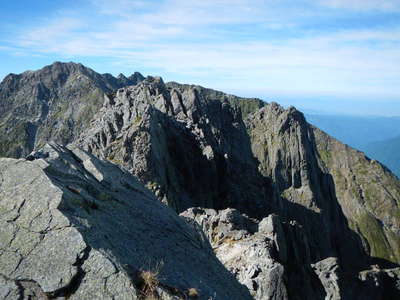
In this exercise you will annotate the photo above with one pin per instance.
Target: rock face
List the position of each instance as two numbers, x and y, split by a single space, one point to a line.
368 193
271 257
248 252
75 227
336 184
54 103
304 191
186 143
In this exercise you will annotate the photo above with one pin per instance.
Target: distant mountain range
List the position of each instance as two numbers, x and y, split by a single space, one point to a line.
387 152
378 137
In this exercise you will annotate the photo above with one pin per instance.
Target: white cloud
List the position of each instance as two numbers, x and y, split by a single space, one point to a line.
183 38
53 30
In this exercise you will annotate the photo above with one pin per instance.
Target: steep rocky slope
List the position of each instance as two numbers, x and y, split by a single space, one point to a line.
54 103
368 193
285 147
328 185
188 145
75 227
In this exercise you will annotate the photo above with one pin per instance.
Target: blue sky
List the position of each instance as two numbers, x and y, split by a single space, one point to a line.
336 55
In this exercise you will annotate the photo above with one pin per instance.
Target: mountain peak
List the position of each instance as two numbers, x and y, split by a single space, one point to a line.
121 76
53 102
136 77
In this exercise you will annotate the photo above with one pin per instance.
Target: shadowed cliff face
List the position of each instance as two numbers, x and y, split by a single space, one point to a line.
285 146
189 148
346 199
54 103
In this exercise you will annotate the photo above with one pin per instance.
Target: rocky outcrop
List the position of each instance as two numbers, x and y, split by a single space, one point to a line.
272 258
75 227
54 103
190 148
381 283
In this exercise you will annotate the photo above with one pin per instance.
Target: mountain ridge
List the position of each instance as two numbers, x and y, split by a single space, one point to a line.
230 165
50 104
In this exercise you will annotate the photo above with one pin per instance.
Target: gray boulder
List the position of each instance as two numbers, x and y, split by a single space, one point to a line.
75 227
328 272
270 257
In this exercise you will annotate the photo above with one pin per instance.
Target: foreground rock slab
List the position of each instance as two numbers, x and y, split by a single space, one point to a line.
75 227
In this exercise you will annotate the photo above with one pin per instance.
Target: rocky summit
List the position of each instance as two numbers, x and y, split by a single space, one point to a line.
175 191
54 103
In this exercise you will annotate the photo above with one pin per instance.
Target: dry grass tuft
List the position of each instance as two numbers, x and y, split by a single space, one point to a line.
150 281
193 293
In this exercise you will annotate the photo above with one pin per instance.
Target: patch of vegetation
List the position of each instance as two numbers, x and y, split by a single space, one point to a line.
230 241
247 106
152 185
60 110
12 142
81 202
375 235
115 160
325 155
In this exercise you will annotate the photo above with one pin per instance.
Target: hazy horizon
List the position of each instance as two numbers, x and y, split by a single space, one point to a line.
325 104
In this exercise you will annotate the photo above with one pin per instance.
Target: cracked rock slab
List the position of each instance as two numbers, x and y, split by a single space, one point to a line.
75 227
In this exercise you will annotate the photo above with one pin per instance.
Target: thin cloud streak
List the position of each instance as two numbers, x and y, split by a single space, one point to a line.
363 5
202 40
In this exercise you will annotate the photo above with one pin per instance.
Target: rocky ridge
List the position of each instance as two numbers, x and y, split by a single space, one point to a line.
183 144
54 103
